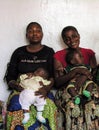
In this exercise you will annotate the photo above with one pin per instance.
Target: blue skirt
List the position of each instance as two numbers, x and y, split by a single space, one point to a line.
14 106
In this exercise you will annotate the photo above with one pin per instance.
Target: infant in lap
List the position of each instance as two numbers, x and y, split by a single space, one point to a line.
31 83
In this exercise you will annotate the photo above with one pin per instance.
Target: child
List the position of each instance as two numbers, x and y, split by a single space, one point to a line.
31 82
75 60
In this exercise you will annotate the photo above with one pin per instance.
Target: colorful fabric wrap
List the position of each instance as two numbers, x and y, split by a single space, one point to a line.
15 115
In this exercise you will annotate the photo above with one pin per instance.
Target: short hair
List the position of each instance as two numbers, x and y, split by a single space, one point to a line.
66 29
33 23
46 73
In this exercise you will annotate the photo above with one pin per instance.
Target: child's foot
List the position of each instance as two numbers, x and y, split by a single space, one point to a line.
87 94
40 117
26 118
77 100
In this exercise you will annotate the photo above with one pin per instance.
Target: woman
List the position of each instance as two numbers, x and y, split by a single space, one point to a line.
77 117
27 59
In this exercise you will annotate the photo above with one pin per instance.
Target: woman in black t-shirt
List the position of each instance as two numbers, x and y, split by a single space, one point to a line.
27 59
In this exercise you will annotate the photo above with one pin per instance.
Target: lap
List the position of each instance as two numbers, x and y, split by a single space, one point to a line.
78 117
15 115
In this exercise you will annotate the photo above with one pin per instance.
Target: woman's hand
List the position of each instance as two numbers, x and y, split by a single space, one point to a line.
62 80
13 85
42 91
84 71
45 89
80 81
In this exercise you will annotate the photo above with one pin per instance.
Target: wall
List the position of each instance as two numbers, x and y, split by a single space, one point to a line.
53 15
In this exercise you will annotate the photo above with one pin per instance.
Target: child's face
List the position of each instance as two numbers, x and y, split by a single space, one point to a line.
77 59
40 72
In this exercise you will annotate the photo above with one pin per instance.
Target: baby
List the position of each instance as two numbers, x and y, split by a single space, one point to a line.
75 60
31 83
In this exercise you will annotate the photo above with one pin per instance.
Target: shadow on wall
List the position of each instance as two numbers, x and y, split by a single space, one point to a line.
97 57
62 44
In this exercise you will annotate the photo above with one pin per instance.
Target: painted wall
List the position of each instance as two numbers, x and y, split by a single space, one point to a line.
53 15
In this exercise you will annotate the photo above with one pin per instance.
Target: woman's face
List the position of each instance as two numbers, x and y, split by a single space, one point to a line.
34 34
72 39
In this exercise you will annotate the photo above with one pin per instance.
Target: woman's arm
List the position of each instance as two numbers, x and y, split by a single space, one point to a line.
61 80
12 73
14 85
93 65
93 62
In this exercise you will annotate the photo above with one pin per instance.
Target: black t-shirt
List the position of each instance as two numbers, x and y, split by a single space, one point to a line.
23 61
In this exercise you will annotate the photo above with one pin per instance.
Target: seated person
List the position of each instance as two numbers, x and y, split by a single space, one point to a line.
31 82
75 60
27 59
69 118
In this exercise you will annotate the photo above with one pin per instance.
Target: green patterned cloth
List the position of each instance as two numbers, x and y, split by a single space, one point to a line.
84 116
50 112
